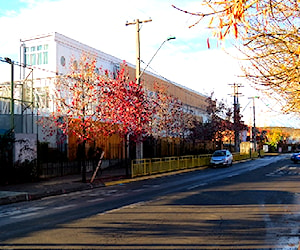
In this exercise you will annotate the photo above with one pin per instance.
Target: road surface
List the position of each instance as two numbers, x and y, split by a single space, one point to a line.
251 205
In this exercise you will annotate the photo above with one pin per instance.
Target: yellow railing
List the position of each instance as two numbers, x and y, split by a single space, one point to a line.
142 167
150 166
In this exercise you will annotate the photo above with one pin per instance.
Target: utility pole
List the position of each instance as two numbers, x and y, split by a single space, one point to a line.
138 49
139 145
254 126
236 116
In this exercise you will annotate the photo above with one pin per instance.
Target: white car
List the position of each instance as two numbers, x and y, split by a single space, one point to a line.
221 158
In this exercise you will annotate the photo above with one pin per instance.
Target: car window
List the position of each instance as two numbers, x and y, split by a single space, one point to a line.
219 153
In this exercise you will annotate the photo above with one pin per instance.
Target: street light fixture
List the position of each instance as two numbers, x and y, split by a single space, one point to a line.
168 39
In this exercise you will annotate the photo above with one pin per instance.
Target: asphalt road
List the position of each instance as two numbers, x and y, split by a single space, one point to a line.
251 205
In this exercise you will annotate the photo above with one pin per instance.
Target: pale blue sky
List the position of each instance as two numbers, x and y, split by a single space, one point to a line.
8 6
101 24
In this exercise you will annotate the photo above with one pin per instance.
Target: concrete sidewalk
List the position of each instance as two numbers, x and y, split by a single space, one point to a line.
55 186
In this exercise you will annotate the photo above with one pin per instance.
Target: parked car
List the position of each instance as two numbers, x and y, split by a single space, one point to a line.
295 157
221 158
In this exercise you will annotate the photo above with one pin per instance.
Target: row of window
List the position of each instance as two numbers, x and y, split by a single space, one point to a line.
36 55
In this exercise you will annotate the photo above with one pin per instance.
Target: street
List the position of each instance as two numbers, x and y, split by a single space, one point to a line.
250 205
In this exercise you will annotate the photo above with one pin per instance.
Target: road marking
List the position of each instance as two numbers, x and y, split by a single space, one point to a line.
20 211
111 191
64 207
285 170
96 200
24 215
139 190
198 185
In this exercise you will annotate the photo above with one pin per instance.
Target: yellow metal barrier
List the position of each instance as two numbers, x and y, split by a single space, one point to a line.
142 167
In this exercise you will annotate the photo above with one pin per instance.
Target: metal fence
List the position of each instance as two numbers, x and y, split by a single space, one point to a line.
143 167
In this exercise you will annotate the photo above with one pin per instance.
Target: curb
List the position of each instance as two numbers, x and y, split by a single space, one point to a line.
14 197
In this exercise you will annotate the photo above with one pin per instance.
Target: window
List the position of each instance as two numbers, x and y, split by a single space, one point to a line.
36 55
45 57
32 59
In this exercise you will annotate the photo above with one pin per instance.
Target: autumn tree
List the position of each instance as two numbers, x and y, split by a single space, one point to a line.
170 119
219 122
87 103
79 104
268 31
128 105
275 135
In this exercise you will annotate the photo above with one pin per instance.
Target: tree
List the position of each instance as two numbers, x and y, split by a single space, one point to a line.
170 118
128 106
274 136
274 57
79 105
219 123
87 103
269 34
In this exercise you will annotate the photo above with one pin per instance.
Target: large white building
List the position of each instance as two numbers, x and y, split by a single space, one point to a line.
44 57
51 54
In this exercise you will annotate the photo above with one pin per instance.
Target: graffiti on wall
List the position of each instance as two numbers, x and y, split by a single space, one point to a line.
25 147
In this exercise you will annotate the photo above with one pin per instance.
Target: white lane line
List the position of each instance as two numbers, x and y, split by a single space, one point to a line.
139 190
96 200
64 207
196 186
20 211
24 215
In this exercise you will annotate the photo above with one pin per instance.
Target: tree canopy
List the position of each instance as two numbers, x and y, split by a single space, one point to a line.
269 33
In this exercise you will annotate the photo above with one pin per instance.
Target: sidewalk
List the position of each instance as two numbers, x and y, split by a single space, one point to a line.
55 186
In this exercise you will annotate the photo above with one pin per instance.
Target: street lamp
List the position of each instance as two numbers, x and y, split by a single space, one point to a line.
168 39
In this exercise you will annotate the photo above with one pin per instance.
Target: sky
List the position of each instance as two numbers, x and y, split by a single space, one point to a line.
187 60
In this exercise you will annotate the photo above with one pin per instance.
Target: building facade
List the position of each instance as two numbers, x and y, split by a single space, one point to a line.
44 57
52 54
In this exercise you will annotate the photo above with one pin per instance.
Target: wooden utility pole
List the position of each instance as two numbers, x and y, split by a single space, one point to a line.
138 49
139 145
236 116
254 125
